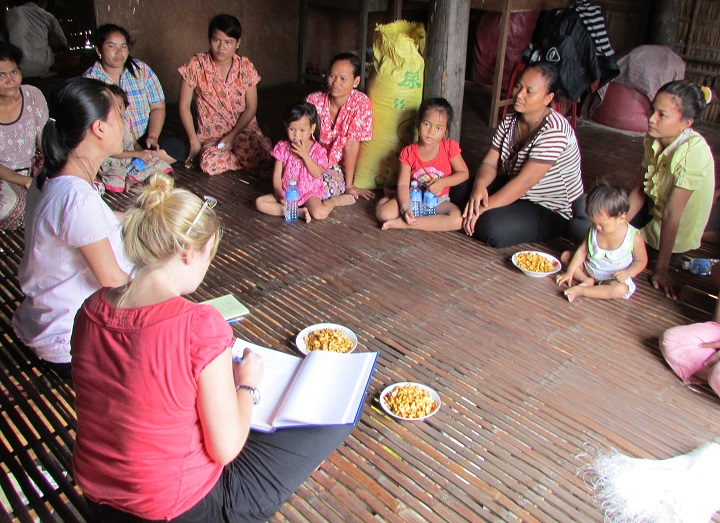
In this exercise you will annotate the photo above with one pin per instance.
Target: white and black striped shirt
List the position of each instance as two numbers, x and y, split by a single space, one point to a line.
593 20
553 144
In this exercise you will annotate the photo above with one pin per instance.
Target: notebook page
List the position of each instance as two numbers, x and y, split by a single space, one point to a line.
328 389
280 369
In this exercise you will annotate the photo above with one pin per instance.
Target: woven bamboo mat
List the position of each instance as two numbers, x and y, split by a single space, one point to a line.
528 381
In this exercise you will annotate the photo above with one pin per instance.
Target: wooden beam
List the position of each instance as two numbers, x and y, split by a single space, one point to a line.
397 10
445 55
303 46
664 21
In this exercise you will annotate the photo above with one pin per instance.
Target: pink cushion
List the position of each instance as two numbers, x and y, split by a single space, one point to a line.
623 108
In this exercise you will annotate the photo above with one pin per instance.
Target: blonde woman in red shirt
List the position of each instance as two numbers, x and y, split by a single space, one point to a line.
163 410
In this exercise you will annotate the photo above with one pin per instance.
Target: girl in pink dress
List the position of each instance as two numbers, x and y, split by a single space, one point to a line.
692 351
300 158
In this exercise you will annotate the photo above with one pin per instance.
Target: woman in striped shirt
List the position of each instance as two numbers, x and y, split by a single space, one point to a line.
528 187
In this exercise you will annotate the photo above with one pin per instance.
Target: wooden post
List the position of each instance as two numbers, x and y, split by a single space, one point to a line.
302 51
664 22
445 55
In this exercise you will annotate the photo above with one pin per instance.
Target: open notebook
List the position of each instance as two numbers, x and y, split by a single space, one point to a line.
324 388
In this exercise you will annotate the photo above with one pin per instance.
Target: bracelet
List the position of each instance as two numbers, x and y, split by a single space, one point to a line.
404 209
254 392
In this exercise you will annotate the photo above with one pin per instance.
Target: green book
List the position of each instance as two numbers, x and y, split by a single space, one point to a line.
229 306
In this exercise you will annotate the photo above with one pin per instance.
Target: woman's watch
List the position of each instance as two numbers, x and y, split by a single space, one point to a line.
255 393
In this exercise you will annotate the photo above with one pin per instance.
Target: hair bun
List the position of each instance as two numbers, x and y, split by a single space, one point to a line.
158 188
707 94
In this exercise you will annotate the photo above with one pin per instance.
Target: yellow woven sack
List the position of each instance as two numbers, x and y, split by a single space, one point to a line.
395 90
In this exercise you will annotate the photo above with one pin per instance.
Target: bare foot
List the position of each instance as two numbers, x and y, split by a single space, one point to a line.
303 213
396 223
565 257
343 200
574 292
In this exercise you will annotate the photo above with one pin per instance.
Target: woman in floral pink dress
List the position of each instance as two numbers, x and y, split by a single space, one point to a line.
228 136
345 121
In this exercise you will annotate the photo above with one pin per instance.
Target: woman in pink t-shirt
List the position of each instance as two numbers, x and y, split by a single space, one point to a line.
163 411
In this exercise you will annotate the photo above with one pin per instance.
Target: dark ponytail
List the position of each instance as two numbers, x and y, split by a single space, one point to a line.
691 99
73 106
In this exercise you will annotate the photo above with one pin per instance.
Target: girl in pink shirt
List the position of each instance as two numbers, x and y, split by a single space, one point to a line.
436 164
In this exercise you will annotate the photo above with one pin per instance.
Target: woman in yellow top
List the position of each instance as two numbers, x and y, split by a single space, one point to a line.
671 200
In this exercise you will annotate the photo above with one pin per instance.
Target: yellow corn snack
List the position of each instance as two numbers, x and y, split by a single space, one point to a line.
332 340
410 401
534 262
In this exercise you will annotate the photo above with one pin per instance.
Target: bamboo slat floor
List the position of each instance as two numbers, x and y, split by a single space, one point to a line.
528 381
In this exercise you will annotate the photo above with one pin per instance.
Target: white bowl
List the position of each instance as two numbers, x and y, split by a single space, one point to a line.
300 338
435 396
553 260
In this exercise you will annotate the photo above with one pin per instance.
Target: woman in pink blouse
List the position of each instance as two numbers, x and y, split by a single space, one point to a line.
228 137
345 121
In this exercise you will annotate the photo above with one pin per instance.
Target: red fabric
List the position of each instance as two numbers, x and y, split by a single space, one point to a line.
485 49
139 445
623 108
438 167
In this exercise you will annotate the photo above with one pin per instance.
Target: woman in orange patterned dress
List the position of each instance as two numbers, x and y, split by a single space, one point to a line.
228 136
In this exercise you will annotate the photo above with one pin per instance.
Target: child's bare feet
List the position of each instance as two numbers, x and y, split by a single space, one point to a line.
304 214
579 289
343 200
397 223
574 292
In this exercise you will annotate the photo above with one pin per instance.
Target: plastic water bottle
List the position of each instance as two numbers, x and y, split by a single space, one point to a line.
699 266
430 203
134 167
292 195
416 199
